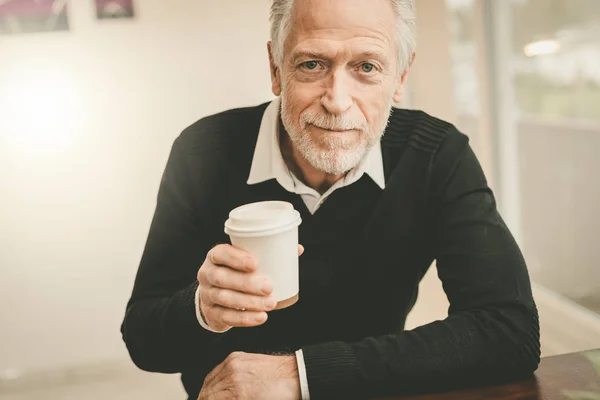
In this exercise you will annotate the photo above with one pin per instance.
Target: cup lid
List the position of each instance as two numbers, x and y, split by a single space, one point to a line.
262 218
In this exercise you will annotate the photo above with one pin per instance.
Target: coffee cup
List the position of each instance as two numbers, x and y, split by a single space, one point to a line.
269 231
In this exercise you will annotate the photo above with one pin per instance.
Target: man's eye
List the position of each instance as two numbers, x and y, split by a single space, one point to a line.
367 67
310 65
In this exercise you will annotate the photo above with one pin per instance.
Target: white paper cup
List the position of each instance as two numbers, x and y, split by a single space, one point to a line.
269 231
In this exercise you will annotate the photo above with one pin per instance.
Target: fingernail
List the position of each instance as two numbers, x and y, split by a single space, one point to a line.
260 318
266 287
247 263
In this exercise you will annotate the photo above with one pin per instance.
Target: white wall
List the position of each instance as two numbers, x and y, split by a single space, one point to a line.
87 118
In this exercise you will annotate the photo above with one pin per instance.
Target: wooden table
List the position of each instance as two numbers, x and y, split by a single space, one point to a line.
564 377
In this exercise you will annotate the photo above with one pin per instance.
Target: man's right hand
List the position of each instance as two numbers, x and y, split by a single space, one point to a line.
232 292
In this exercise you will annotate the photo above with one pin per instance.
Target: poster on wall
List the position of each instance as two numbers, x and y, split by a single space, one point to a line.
114 9
27 16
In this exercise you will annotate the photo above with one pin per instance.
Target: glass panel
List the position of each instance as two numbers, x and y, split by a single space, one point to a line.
557 58
556 67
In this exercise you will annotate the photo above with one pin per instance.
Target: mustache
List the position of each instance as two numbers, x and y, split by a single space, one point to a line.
334 122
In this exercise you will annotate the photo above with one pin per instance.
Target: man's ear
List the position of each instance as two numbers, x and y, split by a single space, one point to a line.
399 92
275 71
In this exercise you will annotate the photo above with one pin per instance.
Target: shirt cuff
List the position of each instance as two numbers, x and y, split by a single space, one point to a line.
201 320
304 393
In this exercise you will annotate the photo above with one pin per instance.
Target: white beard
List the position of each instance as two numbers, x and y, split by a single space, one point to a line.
334 155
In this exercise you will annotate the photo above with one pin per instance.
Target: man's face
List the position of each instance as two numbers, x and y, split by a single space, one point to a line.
338 79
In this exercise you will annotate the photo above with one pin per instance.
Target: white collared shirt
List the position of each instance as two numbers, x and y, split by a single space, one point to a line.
268 163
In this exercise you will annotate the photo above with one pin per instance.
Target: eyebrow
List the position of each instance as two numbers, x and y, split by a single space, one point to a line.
307 54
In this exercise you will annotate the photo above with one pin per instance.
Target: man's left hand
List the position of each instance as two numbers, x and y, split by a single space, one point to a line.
253 376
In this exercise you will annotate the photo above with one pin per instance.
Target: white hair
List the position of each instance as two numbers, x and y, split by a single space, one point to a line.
281 17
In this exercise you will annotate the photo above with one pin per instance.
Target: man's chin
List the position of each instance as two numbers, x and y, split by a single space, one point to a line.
338 145
336 162
338 141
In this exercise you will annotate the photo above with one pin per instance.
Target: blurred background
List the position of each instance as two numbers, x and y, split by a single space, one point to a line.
92 94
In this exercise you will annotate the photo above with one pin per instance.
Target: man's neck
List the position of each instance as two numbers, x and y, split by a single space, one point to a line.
301 168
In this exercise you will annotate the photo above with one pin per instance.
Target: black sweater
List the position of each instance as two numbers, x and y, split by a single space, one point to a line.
366 252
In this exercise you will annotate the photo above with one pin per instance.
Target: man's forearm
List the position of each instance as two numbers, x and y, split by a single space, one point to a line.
468 348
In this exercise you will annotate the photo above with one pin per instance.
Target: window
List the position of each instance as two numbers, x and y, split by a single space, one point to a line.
529 72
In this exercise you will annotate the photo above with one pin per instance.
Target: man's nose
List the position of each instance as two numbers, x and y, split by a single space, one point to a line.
337 98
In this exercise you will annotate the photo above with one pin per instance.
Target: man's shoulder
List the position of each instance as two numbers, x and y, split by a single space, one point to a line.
230 127
421 131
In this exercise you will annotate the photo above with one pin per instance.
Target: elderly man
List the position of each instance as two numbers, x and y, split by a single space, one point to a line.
377 210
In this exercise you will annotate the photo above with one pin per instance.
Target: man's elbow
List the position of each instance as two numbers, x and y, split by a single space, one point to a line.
530 339
145 356
523 344
529 360
150 364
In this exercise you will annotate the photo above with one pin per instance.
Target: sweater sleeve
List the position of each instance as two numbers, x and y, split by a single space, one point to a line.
160 327
492 332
